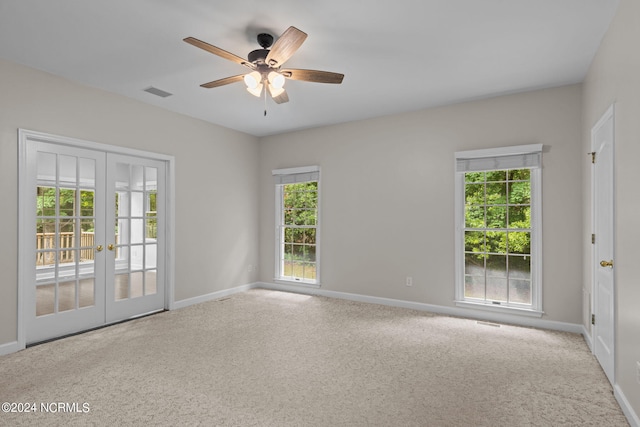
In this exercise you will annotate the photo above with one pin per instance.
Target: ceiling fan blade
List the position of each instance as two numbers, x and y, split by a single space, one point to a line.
313 76
280 99
285 46
217 51
222 82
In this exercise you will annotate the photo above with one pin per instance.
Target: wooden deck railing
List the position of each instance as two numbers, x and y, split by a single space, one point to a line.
46 242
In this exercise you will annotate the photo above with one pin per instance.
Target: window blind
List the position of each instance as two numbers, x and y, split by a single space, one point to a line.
522 157
295 175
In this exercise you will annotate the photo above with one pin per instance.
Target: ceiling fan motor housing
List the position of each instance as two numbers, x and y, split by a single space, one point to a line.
258 56
265 40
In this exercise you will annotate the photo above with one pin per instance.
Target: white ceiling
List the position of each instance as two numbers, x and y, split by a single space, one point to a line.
397 55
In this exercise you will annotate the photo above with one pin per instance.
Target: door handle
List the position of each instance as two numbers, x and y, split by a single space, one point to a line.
99 248
110 247
604 263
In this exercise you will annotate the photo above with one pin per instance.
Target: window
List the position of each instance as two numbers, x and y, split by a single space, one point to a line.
297 202
498 229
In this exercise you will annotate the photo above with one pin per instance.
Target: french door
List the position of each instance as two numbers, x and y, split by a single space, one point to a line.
98 224
135 224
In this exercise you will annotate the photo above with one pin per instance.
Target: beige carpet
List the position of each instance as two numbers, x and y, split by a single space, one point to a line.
265 358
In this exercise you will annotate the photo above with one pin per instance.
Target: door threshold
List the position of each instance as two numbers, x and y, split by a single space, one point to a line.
140 316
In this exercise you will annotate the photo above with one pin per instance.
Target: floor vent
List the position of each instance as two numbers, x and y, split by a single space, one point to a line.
158 92
495 325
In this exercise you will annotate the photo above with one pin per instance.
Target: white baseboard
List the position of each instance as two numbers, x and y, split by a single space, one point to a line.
439 309
10 347
213 296
632 417
587 338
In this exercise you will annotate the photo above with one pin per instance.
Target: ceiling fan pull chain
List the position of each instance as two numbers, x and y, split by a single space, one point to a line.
265 101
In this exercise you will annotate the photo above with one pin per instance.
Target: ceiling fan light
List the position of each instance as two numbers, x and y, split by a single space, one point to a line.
276 80
252 80
256 91
275 91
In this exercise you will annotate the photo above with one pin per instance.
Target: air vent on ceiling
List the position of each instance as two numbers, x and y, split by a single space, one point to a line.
158 92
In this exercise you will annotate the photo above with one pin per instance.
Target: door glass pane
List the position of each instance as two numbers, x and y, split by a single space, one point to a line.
151 228
121 286
150 282
122 176
66 256
122 231
66 296
122 203
150 256
46 167
87 172
151 203
68 170
122 258
137 284
137 253
46 201
137 203
151 179
45 299
67 202
137 177
86 292
137 231
45 258
87 203
45 233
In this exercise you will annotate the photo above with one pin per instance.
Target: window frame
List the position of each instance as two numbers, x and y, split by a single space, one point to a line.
484 155
295 176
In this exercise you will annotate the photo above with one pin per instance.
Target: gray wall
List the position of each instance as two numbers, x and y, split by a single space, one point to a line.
216 179
388 203
614 76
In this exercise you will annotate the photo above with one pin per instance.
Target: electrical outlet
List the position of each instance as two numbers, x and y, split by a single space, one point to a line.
250 268
409 281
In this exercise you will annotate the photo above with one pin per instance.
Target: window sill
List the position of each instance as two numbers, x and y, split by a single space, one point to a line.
297 282
500 308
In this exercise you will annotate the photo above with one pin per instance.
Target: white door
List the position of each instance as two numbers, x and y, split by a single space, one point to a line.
66 192
135 281
602 139
96 229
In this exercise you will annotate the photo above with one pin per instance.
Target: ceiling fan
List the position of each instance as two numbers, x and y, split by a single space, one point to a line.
265 65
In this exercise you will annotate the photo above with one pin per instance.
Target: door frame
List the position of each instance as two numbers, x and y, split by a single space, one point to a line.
608 114
25 261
